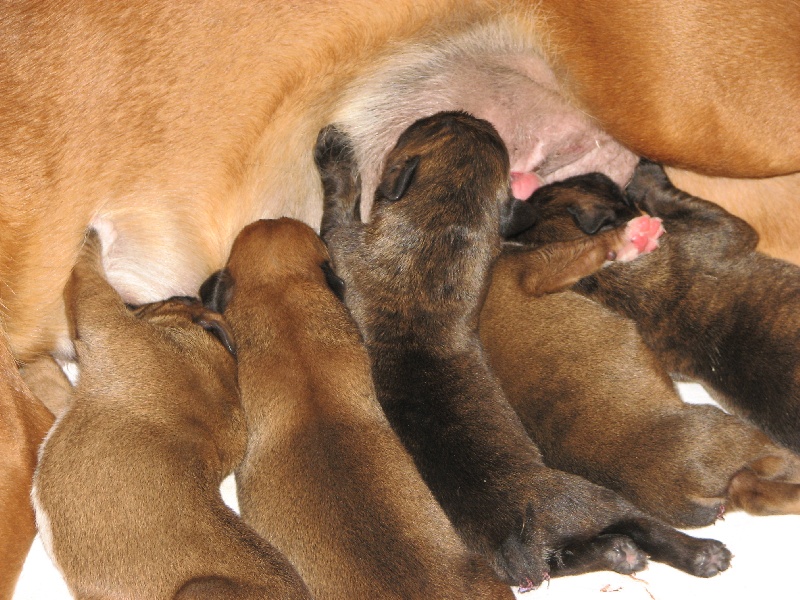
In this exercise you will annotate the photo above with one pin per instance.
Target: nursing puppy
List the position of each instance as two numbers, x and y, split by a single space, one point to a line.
415 278
712 308
597 401
127 487
182 122
325 478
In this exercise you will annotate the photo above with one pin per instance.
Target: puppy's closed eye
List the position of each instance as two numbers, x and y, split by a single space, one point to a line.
217 327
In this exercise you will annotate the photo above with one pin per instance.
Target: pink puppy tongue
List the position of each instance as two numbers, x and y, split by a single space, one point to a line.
524 184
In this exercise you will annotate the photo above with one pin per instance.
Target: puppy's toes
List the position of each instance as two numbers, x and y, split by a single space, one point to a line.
641 237
712 558
333 147
621 554
516 564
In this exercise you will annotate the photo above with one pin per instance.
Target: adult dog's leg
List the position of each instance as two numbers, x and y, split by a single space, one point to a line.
703 50
24 421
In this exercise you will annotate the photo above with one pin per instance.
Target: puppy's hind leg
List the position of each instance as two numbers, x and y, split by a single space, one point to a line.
341 181
769 486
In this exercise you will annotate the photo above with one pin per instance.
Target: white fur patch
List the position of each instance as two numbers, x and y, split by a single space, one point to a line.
42 519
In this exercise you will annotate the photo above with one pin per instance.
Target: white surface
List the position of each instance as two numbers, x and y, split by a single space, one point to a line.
764 549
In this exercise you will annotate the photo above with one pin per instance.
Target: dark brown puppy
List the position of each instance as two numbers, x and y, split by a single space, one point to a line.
712 308
325 478
127 488
415 280
597 401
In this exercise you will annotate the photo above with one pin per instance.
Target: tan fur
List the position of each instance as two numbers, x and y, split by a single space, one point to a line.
325 478
48 382
711 86
24 422
181 123
127 487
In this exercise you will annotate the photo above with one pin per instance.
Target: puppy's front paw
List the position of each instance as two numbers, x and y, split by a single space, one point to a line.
621 554
333 147
641 237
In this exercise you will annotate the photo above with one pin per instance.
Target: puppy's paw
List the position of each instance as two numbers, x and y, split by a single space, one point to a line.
518 565
712 558
621 554
641 237
333 147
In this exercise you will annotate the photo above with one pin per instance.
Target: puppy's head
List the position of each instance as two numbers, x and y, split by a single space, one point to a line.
270 251
187 314
449 168
575 208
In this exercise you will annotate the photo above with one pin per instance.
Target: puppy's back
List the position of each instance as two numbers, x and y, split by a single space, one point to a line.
127 488
325 478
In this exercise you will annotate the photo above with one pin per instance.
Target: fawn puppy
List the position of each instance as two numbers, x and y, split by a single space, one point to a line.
127 489
325 478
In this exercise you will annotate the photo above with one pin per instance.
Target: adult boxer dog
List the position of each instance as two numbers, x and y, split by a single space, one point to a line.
415 277
712 308
595 398
325 478
181 123
127 488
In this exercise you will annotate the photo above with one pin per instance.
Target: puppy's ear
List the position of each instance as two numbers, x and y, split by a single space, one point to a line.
219 328
397 178
516 216
335 282
591 218
217 291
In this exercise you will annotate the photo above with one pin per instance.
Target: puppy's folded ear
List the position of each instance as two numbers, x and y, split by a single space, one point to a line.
516 216
217 290
590 218
335 282
397 178
219 328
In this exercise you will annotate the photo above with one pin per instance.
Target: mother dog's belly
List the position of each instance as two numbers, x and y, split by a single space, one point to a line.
177 200
180 153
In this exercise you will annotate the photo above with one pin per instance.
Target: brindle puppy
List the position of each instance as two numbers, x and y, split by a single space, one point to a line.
415 280
712 308
597 401
127 488
324 477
